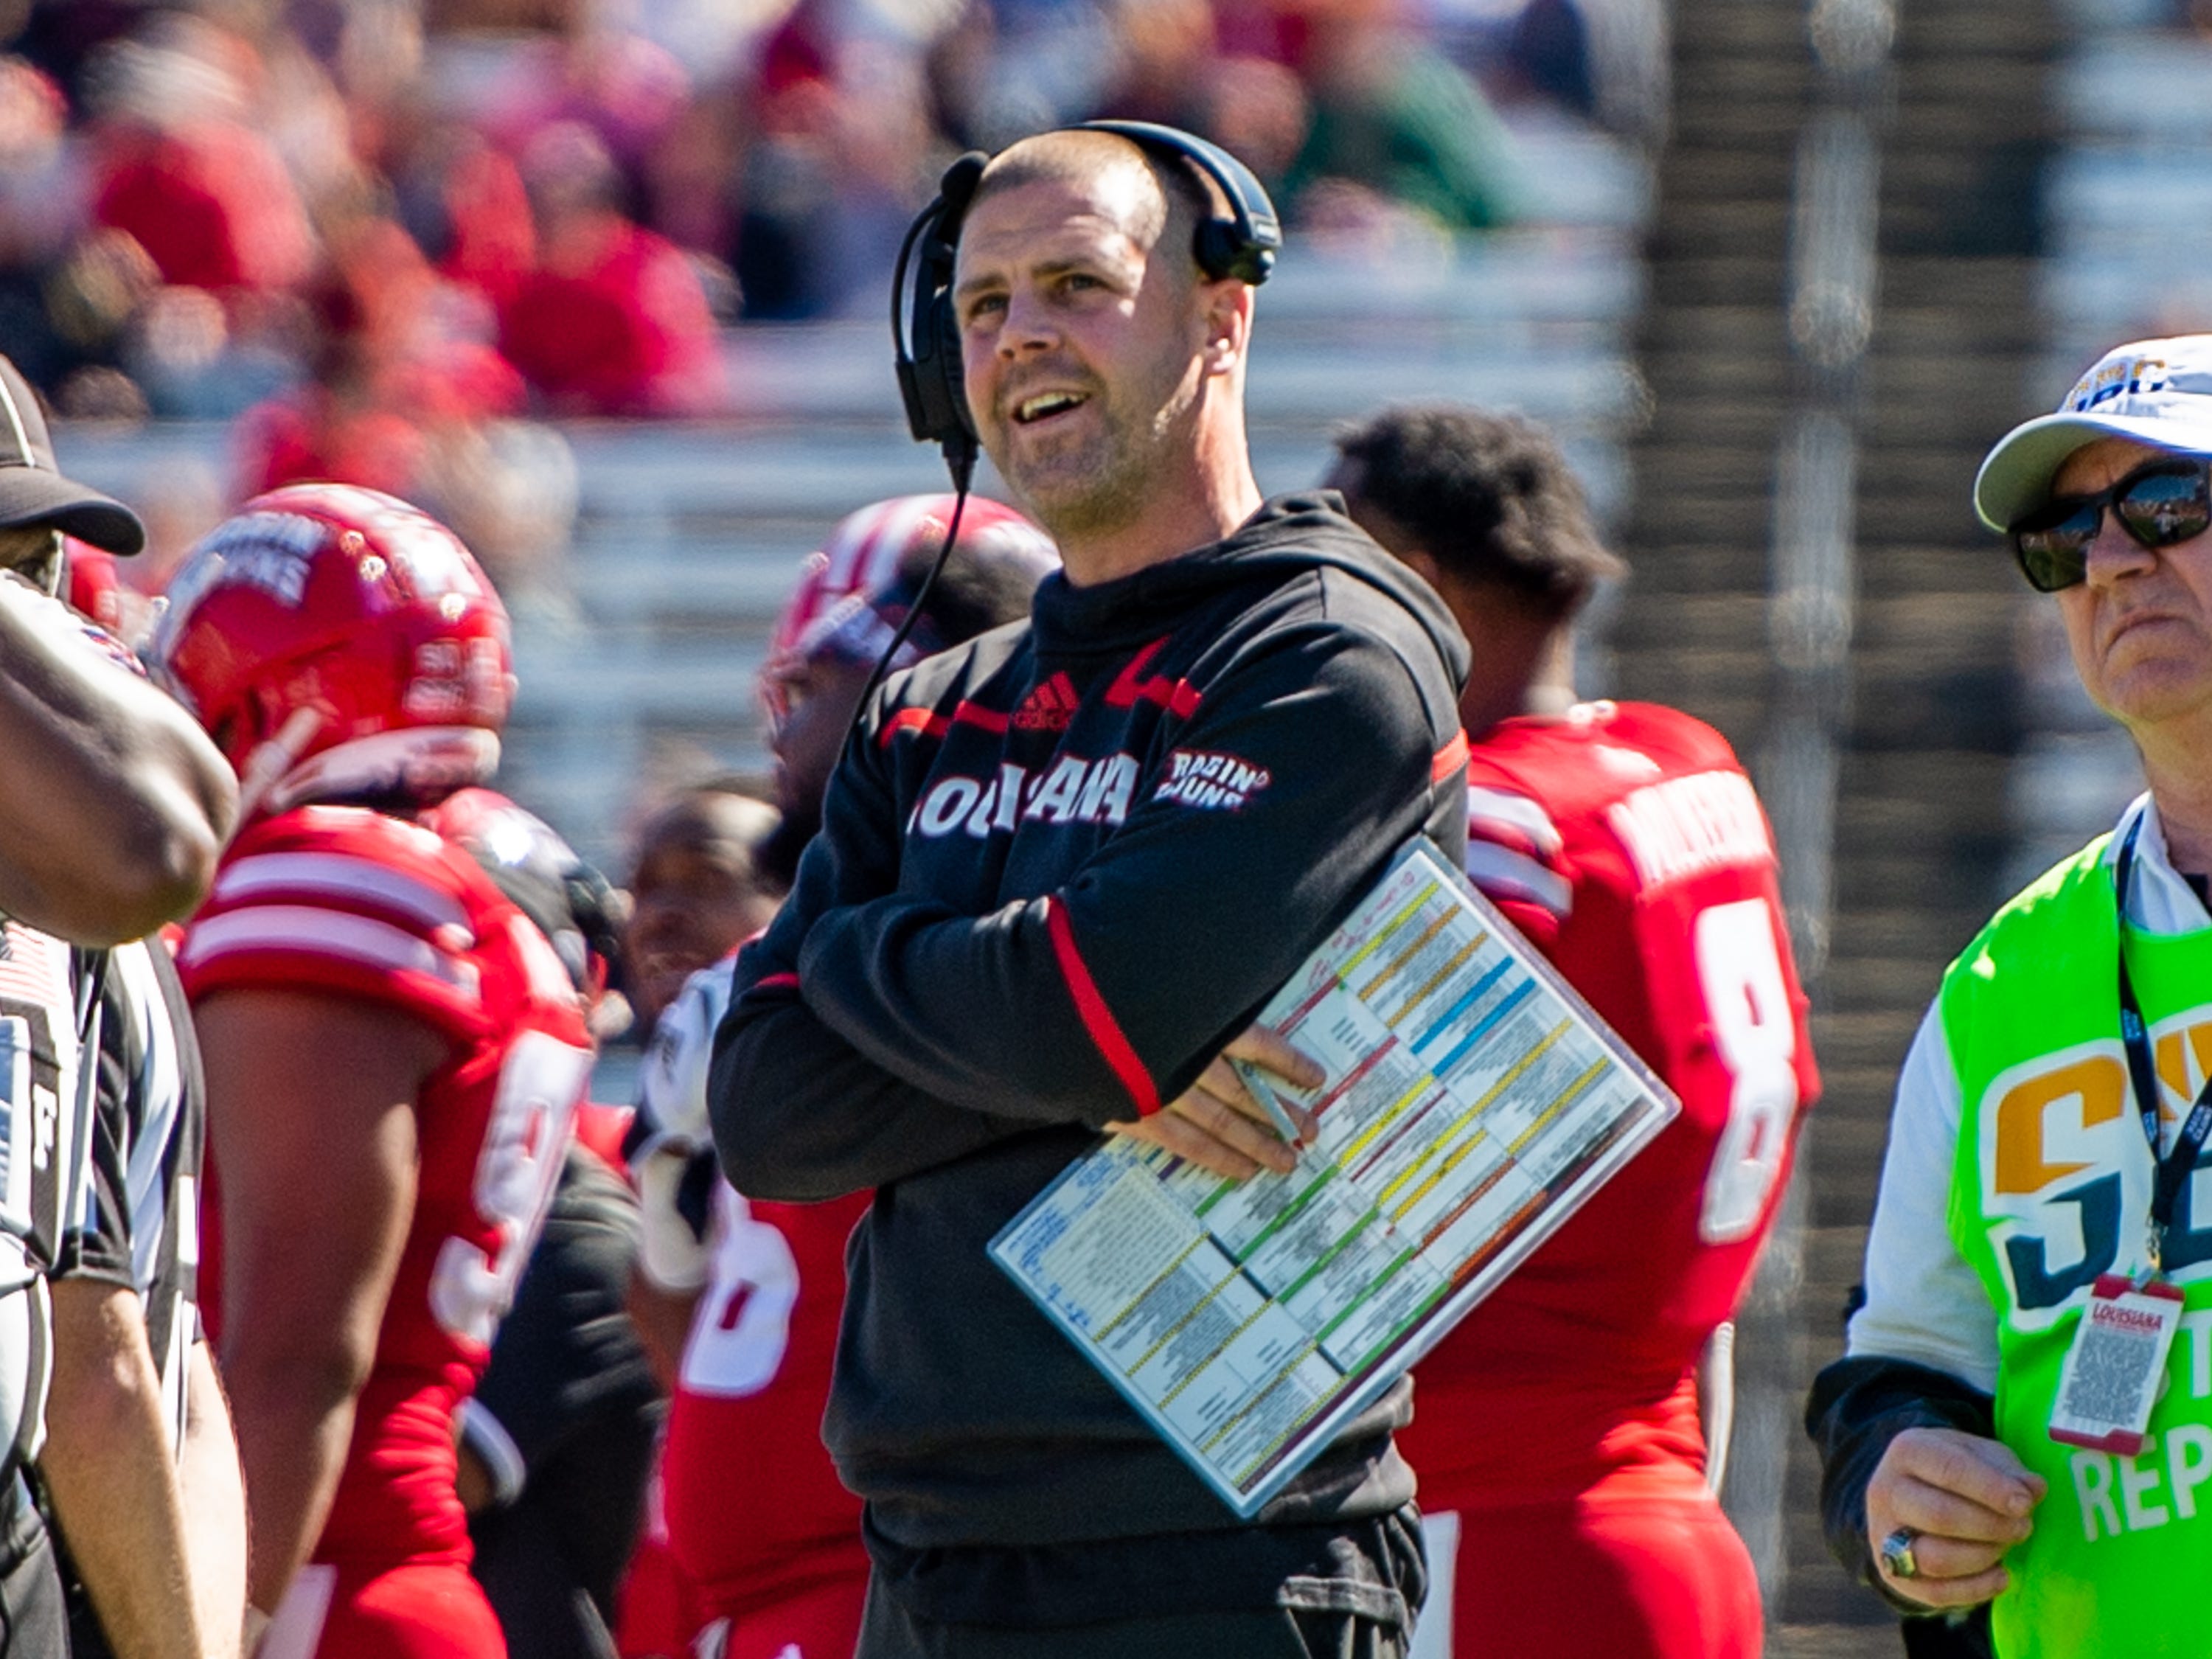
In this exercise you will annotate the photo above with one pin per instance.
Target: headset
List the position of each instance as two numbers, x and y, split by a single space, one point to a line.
926 334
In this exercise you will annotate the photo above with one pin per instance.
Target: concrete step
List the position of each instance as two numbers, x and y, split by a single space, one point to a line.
1731 174
1684 676
1894 984
1685 463
1745 415
1738 521
1872 928
1934 33
1724 104
1855 1091
1963 709
1848 1152
1717 377
1874 1036
1740 227
1751 328
1865 813
1918 324
1723 123
1718 276
1922 660
1686 574
1965 284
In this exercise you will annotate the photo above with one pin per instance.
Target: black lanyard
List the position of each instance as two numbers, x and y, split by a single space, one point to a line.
2176 1166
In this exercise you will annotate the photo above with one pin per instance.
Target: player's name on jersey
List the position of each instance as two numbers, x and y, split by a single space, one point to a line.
1473 1102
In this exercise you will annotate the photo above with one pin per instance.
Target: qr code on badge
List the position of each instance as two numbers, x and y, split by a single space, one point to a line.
2111 1371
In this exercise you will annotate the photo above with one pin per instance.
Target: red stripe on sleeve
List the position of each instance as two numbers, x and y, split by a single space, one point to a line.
1449 759
777 982
1097 1018
974 714
927 721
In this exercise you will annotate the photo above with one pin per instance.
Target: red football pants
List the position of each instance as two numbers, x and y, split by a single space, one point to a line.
821 1620
1657 1579
658 1613
427 1611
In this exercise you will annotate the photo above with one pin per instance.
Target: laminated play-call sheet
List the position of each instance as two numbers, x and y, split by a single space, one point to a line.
1473 1102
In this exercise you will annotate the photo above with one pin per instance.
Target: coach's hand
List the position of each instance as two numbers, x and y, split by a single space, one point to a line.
1217 1124
1968 1500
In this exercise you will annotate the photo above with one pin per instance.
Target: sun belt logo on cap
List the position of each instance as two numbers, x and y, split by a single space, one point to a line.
2116 377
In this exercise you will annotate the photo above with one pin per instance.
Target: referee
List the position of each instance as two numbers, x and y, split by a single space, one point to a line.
116 806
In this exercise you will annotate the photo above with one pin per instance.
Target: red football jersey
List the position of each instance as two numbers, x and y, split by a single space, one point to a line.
757 1515
365 905
1627 843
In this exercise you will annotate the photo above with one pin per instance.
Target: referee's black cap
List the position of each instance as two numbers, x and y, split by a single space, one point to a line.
32 488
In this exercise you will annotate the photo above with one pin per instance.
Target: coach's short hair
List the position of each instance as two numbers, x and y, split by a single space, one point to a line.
1073 155
1490 497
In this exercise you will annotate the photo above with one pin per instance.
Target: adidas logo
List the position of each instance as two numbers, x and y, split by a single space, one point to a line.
1050 705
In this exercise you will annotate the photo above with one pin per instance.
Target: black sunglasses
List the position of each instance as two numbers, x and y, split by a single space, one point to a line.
2159 504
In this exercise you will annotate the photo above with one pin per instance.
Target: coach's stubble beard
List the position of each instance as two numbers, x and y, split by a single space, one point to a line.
1096 483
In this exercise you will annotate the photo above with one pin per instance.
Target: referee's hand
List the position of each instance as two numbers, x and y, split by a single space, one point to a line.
1217 1124
1967 1498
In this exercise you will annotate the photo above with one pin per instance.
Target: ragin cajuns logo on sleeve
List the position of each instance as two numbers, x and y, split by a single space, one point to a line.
1199 777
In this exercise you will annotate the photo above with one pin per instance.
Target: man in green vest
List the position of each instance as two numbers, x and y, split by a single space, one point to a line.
2024 1415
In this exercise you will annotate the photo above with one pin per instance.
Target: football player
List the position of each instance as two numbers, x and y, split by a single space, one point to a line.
393 1054
784 1577
699 885
557 1440
1564 1470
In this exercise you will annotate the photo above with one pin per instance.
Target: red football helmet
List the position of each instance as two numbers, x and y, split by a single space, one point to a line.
336 642
864 557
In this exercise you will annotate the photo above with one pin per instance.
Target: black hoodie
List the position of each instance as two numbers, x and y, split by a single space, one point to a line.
1059 868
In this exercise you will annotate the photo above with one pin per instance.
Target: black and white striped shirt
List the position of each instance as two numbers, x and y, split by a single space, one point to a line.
140 1224
46 1146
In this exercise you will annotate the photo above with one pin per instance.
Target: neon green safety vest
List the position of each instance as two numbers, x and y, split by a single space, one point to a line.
2050 1187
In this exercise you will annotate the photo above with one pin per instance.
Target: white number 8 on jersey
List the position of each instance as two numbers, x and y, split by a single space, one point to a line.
1740 971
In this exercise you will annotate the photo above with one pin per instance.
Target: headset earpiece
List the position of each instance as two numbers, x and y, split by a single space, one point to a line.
1222 253
925 331
1242 245
957 188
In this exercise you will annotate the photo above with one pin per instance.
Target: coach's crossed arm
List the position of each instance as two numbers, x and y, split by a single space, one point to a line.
1107 998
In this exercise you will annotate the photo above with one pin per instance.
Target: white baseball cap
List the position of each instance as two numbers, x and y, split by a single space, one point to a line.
2156 391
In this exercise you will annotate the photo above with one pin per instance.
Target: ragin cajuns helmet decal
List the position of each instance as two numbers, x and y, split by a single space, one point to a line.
334 642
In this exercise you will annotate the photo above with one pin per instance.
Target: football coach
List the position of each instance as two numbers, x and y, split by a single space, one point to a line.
1060 870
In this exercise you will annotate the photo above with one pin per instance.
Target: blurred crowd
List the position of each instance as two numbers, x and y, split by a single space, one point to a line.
390 242
369 227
